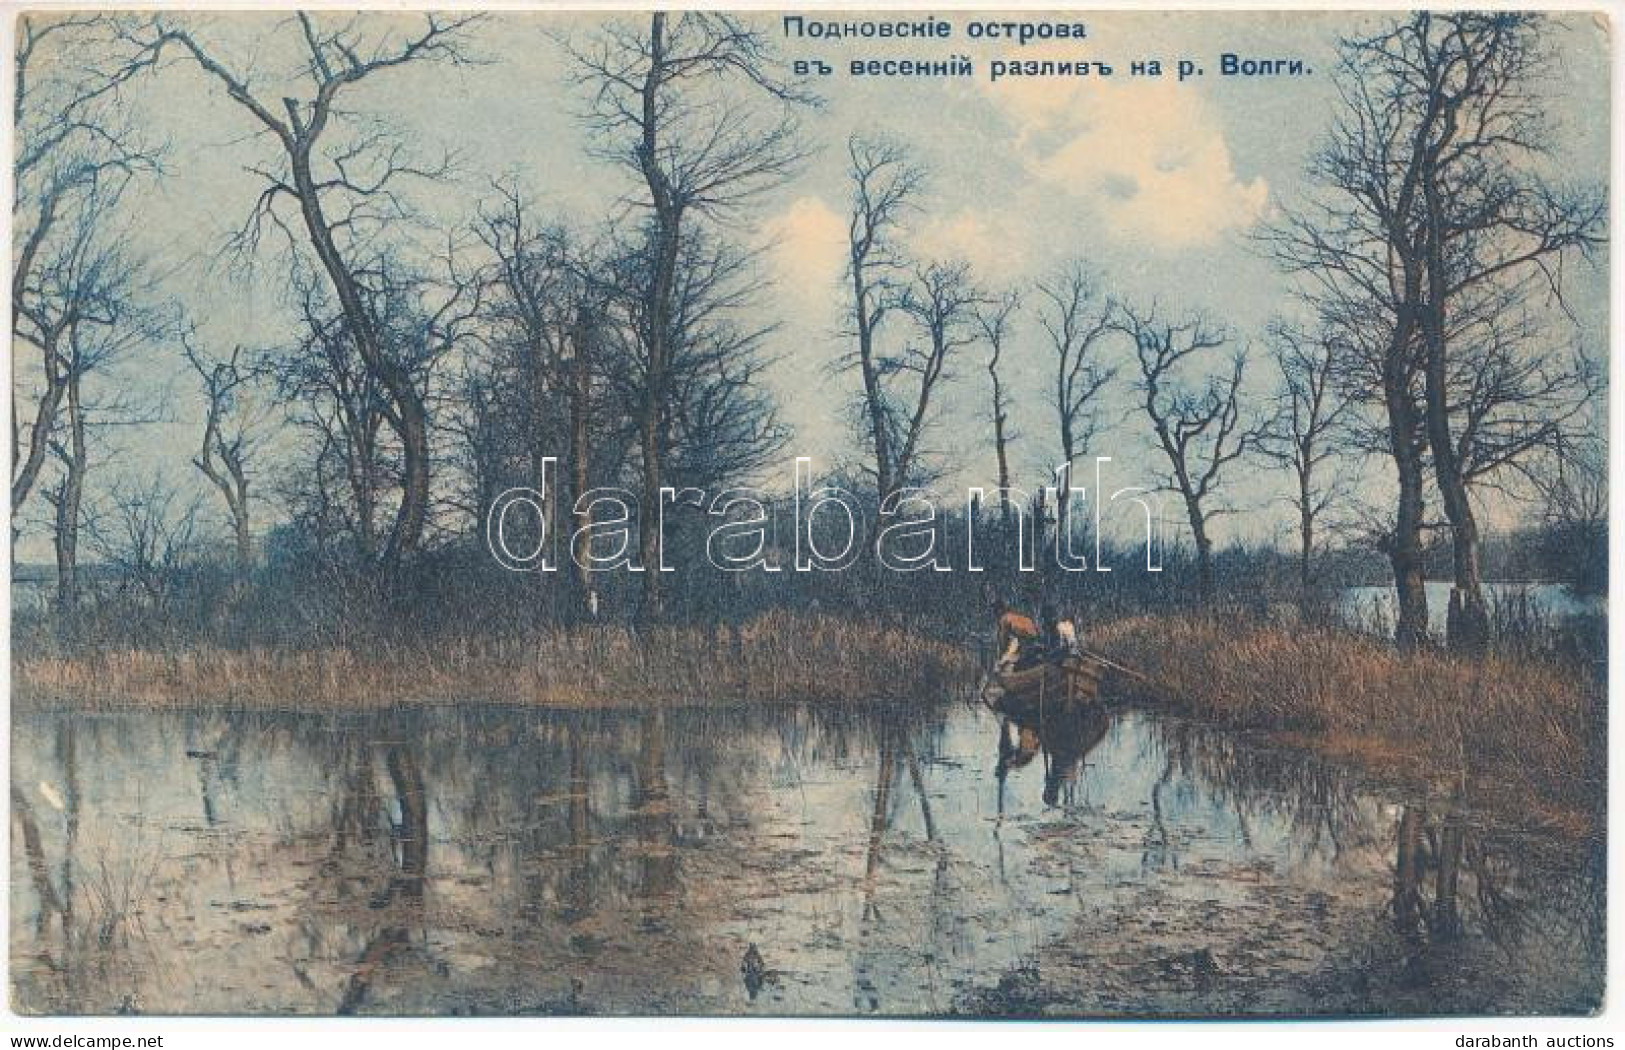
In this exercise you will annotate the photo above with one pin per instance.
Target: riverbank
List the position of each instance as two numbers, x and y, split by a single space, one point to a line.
1534 731
776 657
1529 728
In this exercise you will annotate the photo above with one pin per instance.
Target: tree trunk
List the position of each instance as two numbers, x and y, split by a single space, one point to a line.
1405 554
1468 624
1306 537
873 396
1204 550
408 418
1063 497
245 543
1306 555
1000 444
580 514
1405 550
658 316
26 471
69 497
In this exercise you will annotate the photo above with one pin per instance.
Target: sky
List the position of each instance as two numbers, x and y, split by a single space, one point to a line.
1156 184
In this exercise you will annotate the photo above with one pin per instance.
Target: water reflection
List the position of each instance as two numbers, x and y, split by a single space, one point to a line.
802 860
1064 732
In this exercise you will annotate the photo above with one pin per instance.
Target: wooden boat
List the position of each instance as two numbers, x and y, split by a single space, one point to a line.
1070 679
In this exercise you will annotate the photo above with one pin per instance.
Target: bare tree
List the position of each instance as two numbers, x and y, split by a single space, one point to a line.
662 106
995 322
540 386
342 196
1303 434
107 320
358 461
88 351
1436 235
229 441
900 387
884 184
943 303
1494 235
1075 317
67 498
146 536
1198 420
1363 284
76 153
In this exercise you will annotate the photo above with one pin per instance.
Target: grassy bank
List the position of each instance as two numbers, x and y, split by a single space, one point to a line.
1523 725
1535 730
775 657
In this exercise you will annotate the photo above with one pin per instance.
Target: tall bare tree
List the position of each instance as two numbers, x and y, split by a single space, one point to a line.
1075 317
1435 236
1303 433
1197 419
885 182
540 386
109 322
77 150
1494 235
1363 284
995 321
343 197
901 386
666 103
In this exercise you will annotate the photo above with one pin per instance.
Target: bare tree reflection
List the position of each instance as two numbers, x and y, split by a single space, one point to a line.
402 897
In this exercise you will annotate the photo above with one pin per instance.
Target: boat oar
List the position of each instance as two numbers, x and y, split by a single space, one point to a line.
1115 666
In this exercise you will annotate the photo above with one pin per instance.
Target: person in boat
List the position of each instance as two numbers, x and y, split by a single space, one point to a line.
1066 634
1016 638
1058 639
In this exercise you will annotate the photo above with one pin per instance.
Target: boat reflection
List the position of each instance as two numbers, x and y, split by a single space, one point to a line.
1064 732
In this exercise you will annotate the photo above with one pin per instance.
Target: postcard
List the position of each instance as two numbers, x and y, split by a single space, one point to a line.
995 514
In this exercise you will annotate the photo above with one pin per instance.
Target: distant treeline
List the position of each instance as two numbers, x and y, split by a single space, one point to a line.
299 595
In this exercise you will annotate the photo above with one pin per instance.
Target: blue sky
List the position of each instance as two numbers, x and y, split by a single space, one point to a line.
1156 184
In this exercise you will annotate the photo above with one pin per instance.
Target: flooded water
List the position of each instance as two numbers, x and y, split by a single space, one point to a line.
796 860
1376 608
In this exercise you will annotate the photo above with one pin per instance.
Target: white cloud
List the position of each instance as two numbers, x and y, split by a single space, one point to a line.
1147 155
808 246
968 235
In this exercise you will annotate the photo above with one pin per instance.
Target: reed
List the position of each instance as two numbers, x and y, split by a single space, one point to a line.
778 656
1536 729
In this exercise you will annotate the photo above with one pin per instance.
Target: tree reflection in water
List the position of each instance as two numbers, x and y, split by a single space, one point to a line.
494 860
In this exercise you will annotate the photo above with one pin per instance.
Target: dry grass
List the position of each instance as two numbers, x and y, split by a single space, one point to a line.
1530 727
776 657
